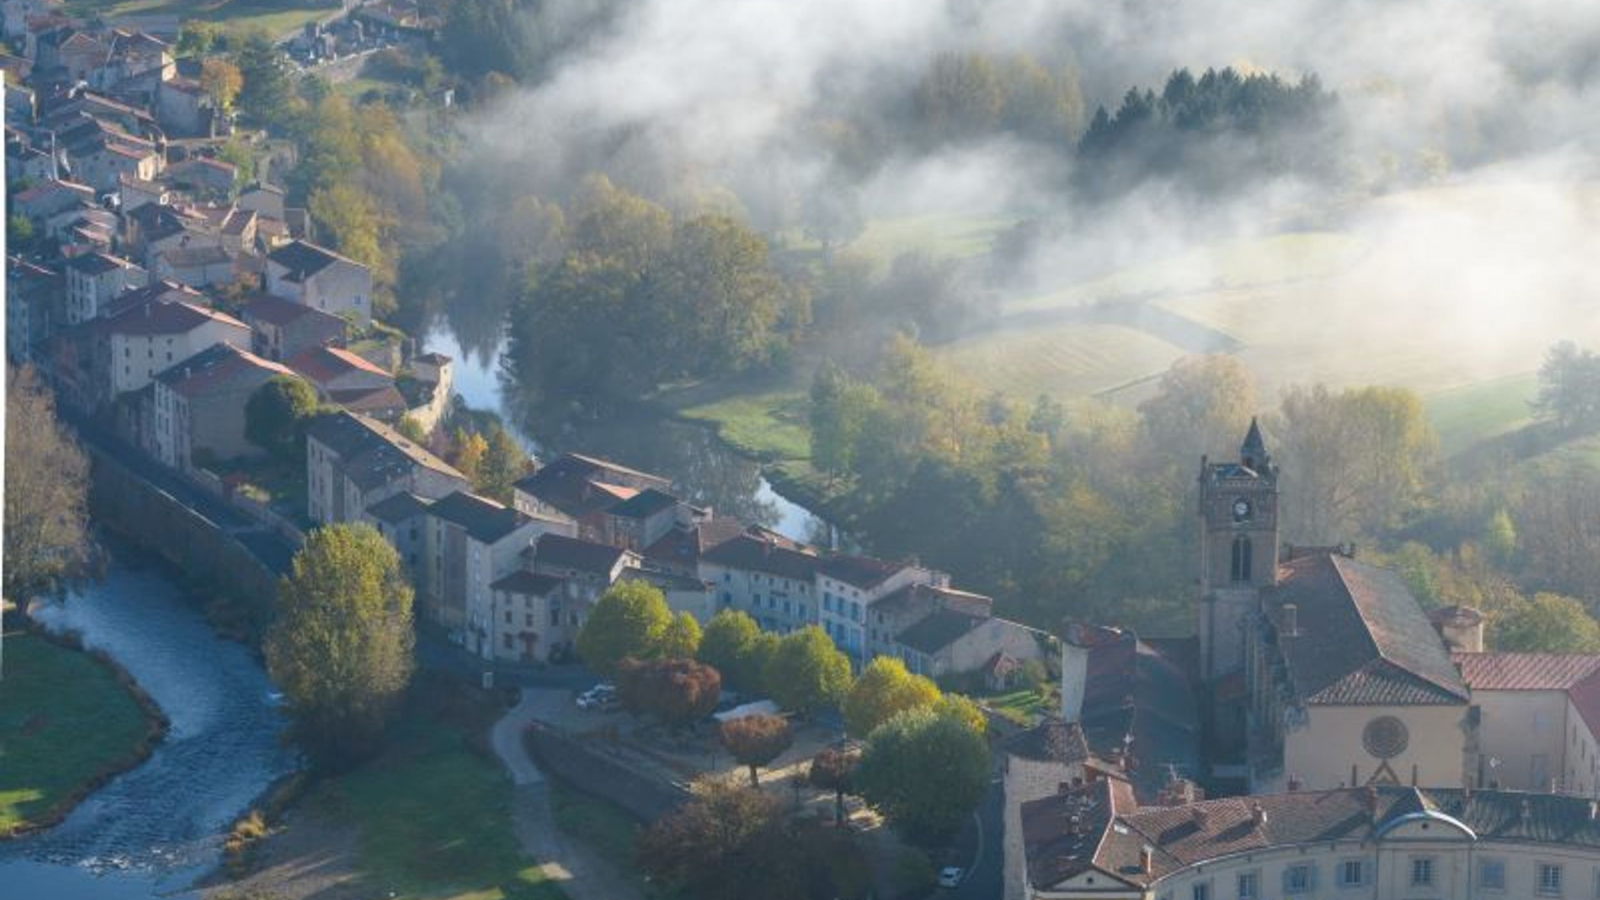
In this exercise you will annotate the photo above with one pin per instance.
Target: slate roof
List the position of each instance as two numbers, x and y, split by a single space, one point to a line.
643 505
373 401
1361 638
217 366
524 582
151 317
160 291
859 571
304 260
920 595
938 630
572 553
684 545
203 255
1109 835
278 311
95 264
371 453
750 553
483 519
578 485
398 508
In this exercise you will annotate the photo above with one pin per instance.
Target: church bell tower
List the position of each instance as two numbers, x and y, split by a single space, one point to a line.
1238 551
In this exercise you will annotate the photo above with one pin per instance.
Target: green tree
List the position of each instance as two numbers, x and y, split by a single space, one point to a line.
1569 389
963 710
1548 623
694 848
842 410
503 463
341 644
266 95
276 414
884 689
412 429
728 645
681 639
1500 538
676 691
925 772
629 619
46 533
19 230
221 81
807 673
197 38
756 740
834 769
1202 405
470 450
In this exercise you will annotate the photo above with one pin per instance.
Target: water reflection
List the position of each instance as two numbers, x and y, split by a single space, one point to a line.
705 471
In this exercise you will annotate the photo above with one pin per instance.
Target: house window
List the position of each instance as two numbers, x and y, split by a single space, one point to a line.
528 620
1249 885
505 640
508 617
1421 871
555 617
1352 873
1241 558
1201 891
1549 880
1492 874
1300 879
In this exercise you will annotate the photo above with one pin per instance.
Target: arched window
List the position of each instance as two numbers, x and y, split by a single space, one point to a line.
1241 558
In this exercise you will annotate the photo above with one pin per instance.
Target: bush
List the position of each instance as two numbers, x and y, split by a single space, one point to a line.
914 873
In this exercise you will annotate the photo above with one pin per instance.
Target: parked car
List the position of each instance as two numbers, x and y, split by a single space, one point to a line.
950 876
601 696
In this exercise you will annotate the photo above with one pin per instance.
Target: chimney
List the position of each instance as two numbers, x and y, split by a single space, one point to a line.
1074 672
1461 627
1289 619
1594 810
1369 798
1258 816
1147 859
1294 783
1202 817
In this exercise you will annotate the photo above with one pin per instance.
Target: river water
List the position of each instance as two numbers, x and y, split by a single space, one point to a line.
151 831
703 469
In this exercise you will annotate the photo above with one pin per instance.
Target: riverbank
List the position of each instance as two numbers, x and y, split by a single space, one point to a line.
70 721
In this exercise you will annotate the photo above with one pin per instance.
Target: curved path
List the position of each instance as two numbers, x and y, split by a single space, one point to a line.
582 873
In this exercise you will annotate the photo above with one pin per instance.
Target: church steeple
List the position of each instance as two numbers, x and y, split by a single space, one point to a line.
1253 452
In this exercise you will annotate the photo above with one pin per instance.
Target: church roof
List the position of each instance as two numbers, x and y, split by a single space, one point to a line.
1360 637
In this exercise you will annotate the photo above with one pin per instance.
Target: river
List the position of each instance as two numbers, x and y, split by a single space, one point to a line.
151 831
703 469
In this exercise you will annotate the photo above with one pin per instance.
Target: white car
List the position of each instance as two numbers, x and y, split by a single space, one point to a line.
950 876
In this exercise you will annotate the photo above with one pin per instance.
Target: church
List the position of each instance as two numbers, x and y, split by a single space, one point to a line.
1352 718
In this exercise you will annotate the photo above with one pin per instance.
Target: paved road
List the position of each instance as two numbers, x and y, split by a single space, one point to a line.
981 849
580 872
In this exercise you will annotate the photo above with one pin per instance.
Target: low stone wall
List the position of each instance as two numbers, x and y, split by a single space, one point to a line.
575 761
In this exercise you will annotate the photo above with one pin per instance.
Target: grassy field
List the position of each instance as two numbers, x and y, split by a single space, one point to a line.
605 828
64 721
1464 416
1064 361
435 820
770 425
276 18
942 235
1019 706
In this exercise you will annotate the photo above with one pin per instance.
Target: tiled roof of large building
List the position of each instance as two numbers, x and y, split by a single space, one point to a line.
524 582
1050 741
1093 827
643 505
152 317
398 508
860 571
684 545
577 485
304 259
572 553
750 553
483 519
217 366
1141 702
323 364
919 595
938 630
1577 674
278 311
1360 637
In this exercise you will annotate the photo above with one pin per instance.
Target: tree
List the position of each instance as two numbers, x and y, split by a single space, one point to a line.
728 645
681 639
1548 623
756 740
503 463
470 450
266 95
19 230
341 645
1569 389
1500 538
842 409
678 691
46 533
629 619
884 689
412 429
834 769
925 772
807 673
221 81
196 38
354 225
963 710
275 415
1201 406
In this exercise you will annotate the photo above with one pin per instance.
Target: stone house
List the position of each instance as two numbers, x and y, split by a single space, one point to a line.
402 520
349 380
847 587
591 567
581 488
202 177
93 280
44 200
537 616
183 108
197 265
284 329
321 279
772 580
139 340
353 462
200 402
35 308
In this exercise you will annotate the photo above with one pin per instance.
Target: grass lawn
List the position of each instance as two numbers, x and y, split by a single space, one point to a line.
604 827
1467 415
770 425
1018 706
435 819
64 721
276 18
949 235
1068 360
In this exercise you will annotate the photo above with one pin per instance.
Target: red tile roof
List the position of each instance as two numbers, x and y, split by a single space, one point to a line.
1525 671
323 364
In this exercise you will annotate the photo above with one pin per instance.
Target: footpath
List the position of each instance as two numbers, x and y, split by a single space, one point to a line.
579 871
